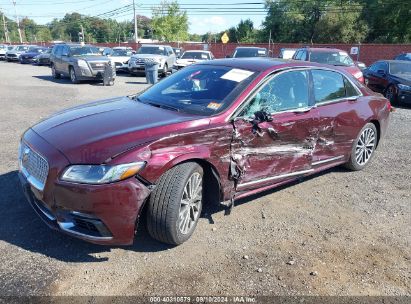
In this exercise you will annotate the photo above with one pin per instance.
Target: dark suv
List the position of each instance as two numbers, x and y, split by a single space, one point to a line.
79 62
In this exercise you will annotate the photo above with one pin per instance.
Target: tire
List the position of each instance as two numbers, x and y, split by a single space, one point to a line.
363 148
391 95
165 70
172 215
73 76
54 72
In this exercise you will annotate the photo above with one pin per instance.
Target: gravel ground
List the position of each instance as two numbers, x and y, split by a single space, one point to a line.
337 233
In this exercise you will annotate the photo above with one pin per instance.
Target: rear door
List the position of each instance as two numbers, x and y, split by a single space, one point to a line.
337 100
273 151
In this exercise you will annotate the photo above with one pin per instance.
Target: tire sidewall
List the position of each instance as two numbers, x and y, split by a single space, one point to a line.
353 162
176 233
72 72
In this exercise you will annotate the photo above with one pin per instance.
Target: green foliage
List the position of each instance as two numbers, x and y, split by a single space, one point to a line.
169 23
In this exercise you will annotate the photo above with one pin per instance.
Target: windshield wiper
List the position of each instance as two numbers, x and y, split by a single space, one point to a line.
159 105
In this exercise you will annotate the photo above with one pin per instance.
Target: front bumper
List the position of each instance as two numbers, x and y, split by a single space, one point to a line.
101 214
140 68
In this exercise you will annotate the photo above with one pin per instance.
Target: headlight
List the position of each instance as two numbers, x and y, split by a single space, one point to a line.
404 87
101 174
82 63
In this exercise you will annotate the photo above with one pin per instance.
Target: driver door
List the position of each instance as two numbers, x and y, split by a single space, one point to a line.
270 152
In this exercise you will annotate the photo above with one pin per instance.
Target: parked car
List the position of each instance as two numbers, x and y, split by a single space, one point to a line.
79 62
119 56
178 52
16 51
43 58
391 78
190 57
330 56
404 56
3 49
215 131
287 53
32 52
162 53
245 52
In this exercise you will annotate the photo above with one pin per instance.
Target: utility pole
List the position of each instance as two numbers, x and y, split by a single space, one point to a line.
135 23
6 31
17 21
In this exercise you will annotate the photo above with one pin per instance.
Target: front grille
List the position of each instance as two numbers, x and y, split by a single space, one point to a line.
33 164
118 64
98 66
140 60
12 55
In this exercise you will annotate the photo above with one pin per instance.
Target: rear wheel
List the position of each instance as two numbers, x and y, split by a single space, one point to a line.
54 72
363 148
175 204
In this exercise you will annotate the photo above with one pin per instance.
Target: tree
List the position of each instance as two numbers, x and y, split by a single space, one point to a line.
169 23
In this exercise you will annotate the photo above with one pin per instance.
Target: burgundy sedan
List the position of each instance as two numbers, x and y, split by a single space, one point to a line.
210 133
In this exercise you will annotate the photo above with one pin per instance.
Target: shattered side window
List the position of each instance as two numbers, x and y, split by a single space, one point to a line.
283 92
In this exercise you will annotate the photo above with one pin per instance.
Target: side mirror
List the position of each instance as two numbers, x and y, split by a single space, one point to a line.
262 116
64 54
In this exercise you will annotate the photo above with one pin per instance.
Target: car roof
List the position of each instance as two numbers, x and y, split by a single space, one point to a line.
325 49
155 45
250 47
393 61
197 51
260 64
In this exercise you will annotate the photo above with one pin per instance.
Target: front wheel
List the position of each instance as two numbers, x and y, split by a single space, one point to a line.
165 70
363 148
391 94
175 204
73 76
54 72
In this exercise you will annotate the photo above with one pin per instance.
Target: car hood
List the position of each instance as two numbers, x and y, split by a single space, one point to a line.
95 132
148 56
187 61
120 58
30 54
92 58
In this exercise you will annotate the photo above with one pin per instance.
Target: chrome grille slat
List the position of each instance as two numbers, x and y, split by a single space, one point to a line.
33 165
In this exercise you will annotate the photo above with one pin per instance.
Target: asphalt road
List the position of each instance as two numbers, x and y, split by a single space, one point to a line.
337 233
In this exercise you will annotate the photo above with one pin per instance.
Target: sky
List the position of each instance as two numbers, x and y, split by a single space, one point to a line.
204 15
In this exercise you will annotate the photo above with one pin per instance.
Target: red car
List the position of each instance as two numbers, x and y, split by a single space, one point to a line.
213 132
333 57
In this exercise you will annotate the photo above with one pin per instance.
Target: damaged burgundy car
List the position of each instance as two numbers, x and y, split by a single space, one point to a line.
210 133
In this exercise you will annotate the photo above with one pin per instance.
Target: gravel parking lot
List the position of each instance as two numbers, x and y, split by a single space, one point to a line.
337 233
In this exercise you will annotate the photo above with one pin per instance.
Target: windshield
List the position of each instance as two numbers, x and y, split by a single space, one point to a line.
400 68
201 90
84 50
22 48
155 50
241 53
195 55
333 58
123 53
37 50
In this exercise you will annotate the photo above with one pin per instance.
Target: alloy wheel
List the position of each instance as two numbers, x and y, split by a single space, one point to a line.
73 76
365 146
190 205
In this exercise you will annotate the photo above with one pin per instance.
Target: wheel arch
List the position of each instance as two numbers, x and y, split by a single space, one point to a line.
377 125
